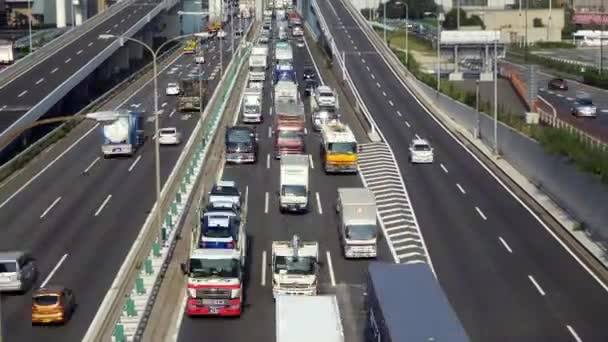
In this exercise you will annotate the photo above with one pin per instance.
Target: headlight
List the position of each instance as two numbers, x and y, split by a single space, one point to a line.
236 293
192 293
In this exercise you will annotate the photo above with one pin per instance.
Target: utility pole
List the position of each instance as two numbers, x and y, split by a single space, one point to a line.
222 40
439 21
477 133
526 33
457 15
29 22
602 39
496 97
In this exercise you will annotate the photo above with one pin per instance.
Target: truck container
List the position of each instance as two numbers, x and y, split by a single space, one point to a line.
295 267
258 63
190 97
293 186
7 55
251 107
406 303
308 319
124 135
356 209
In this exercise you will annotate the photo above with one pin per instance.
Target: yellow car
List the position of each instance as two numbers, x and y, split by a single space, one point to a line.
52 305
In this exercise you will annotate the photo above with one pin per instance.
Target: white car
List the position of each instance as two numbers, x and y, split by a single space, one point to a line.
172 89
221 34
199 60
169 136
297 31
421 151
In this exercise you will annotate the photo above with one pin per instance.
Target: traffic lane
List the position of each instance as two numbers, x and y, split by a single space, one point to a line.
506 209
25 90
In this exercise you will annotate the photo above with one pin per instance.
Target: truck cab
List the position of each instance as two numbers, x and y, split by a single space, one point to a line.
294 190
241 144
215 282
251 107
258 63
339 148
295 267
356 208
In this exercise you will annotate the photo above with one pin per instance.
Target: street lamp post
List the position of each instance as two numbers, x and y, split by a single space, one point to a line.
384 20
496 96
29 22
439 21
407 28
602 28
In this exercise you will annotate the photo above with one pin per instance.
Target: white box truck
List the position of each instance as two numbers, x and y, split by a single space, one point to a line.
258 63
7 55
251 108
293 190
295 267
308 319
356 209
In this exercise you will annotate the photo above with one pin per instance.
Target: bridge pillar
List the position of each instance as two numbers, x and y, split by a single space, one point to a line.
78 14
120 60
456 75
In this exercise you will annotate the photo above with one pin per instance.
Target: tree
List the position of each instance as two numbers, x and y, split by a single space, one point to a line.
417 8
537 22
451 20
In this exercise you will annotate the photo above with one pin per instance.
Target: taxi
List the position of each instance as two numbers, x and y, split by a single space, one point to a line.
54 304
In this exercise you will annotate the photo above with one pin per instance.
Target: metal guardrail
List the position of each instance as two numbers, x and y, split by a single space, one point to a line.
24 64
152 249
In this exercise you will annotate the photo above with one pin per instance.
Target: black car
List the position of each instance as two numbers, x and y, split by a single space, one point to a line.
310 84
309 73
558 84
241 144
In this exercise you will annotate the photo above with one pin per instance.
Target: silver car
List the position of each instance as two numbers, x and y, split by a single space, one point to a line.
322 117
17 271
584 107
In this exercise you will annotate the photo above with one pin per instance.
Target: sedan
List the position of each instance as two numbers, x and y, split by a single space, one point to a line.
52 305
172 89
584 107
169 136
309 73
421 152
558 84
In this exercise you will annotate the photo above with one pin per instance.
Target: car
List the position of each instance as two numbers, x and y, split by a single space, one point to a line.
54 304
421 151
221 34
322 117
309 72
225 191
297 31
558 84
263 40
199 59
584 107
18 271
300 42
169 136
172 89
310 84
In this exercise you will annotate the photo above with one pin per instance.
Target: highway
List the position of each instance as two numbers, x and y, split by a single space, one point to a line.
266 224
80 216
29 88
506 276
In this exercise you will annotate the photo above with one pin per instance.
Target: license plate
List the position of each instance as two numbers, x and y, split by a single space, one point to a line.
46 320
214 309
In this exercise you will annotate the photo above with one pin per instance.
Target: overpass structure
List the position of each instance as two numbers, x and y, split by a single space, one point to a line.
36 84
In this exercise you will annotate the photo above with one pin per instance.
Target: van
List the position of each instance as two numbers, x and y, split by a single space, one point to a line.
17 271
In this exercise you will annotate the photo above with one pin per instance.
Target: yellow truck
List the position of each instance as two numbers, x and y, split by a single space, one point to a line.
214 27
339 148
190 47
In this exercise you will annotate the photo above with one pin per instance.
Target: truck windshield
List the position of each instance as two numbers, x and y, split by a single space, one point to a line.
239 136
293 265
293 190
342 147
361 232
289 134
252 109
225 268
421 147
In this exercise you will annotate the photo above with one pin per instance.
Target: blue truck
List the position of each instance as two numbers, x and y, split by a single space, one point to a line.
284 72
122 135
406 303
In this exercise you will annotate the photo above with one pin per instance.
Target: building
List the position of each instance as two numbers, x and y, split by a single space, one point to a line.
512 24
2 14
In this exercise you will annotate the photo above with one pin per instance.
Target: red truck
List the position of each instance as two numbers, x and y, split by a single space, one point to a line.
288 128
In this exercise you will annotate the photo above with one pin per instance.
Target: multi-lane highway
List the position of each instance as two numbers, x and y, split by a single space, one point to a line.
80 216
30 87
266 223
505 274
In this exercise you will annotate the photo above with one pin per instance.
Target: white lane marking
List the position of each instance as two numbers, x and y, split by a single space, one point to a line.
50 207
604 110
355 47
363 61
305 131
108 30
135 162
560 95
352 41
40 81
461 189
115 25
90 44
266 203
269 131
319 203
105 202
407 124
68 60
79 52
312 164
444 168
263 282
54 270
391 103
3 108
268 160
91 165
163 105
172 112
122 21
330 265
22 93
481 213
417 136
384 94
367 67
378 84
399 113
504 243
573 333
373 76
570 98
538 288
54 70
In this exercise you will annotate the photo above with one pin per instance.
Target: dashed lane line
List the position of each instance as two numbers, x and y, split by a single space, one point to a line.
50 207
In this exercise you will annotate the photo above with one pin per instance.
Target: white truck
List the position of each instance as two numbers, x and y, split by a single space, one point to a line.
324 98
295 267
123 134
293 187
356 209
283 53
7 55
258 63
251 107
286 91
307 319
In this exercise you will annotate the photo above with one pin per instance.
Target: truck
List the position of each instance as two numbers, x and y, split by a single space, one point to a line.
258 63
295 267
251 106
288 129
339 148
286 91
244 11
356 208
190 47
283 53
297 315
293 185
324 98
285 72
122 135
422 313
190 97
7 55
